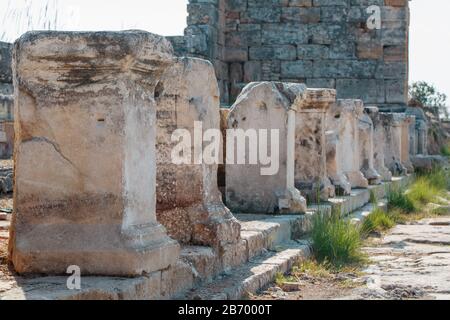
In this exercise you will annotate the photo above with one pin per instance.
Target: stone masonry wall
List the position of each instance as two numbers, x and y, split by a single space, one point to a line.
323 43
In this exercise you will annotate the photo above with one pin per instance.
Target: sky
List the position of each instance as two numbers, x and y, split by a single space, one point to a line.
429 33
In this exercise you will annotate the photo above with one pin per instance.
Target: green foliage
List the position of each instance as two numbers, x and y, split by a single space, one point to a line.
377 221
397 199
445 151
427 95
336 240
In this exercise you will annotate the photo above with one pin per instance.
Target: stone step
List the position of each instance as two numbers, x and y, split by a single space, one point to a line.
358 216
252 276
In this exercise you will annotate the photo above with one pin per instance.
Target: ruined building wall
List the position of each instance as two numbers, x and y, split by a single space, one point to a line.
323 43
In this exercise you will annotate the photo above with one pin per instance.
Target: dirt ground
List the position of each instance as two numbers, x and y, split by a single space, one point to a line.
410 262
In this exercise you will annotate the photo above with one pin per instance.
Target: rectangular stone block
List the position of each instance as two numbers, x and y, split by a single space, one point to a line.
85 165
263 118
311 176
189 203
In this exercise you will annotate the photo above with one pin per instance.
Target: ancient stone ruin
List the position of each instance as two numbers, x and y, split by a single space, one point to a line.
85 183
366 149
310 151
254 184
379 143
343 118
324 44
189 203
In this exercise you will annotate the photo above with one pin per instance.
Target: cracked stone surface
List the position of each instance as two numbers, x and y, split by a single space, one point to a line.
85 154
411 262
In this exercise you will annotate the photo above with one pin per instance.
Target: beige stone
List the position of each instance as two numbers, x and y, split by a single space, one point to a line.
189 203
397 142
343 118
379 143
334 163
310 151
254 188
85 163
366 149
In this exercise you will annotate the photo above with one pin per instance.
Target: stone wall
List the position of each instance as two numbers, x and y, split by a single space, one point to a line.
323 43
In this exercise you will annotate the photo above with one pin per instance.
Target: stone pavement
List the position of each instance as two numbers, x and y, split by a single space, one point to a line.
411 262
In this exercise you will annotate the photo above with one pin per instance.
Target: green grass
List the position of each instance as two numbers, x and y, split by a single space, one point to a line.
427 188
397 199
445 151
336 241
378 221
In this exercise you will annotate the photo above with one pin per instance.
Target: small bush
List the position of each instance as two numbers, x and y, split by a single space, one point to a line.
397 199
422 192
377 221
336 241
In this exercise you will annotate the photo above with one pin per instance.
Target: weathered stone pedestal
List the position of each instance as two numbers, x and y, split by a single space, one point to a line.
379 143
366 149
310 152
334 164
265 111
405 149
189 203
85 165
343 119
397 142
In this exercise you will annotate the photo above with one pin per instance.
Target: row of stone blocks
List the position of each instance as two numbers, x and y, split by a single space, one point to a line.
327 147
95 118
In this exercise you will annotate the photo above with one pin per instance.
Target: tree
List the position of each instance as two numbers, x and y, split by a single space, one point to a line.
423 94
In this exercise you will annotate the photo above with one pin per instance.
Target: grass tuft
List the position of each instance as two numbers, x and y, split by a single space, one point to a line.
336 241
377 221
397 199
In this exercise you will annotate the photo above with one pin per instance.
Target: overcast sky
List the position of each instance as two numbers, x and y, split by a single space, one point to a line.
429 42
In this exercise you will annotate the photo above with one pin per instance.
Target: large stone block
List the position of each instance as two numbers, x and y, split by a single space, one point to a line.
311 176
418 132
396 126
379 143
189 203
261 179
343 118
367 149
85 165
335 169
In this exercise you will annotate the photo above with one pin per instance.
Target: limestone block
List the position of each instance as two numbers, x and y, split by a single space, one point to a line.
379 143
392 124
405 151
264 112
189 203
343 119
334 164
366 149
418 132
85 165
311 176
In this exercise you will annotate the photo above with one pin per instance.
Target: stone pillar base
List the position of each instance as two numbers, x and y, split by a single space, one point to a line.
214 226
51 249
372 176
292 202
357 179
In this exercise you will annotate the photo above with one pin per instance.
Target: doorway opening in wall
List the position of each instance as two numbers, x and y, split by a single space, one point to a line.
167 18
